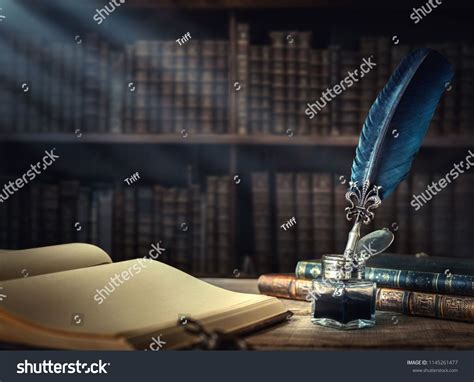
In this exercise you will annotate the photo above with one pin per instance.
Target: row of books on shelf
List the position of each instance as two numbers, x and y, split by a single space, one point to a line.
157 86
196 224
149 86
286 78
441 227
192 225
418 285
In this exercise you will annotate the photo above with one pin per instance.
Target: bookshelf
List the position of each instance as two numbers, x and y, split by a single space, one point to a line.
237 153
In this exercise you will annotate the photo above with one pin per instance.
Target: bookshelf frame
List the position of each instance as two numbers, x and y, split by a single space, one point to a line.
445 142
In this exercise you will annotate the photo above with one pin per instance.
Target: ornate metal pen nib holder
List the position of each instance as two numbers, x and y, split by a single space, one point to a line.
363 201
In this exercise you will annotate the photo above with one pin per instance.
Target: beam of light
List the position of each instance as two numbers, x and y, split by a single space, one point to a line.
60 77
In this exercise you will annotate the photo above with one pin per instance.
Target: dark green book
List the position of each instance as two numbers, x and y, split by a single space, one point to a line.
424 274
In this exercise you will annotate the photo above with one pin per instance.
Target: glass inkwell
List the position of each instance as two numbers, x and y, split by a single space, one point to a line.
341 301
341 297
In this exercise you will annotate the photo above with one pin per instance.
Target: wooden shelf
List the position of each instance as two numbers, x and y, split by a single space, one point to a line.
219 4
401 5
216 139
235 4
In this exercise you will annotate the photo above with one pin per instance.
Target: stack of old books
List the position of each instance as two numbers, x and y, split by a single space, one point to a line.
417 285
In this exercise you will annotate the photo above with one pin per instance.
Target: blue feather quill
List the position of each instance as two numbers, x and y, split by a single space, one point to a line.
405 105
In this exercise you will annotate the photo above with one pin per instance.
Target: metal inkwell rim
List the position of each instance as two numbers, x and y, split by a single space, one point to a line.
335 266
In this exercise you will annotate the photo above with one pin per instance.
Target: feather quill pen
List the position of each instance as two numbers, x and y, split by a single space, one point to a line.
404 107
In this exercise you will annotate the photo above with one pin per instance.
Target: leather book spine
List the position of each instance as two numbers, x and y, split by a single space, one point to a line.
262 221
304 226
459 308
323 235
403 279
286 238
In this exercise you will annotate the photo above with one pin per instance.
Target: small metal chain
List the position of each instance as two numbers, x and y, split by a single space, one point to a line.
213 340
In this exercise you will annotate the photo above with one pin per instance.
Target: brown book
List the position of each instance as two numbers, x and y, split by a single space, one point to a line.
91 314
67 83
400 226
436 123
368 86
191 84
302 80
278 82
140 95
49 214
129 223
170 224
266 90
224 248
91 85
129 87
183 250
78 75
385 214
104 217
255 90
49 202
304 226
463 207
94 219
450 98
7 93
466 90
382 59
211 225
262 221
117 89
421 219
179 97
104 83
447 307
118 224
69 193
4 221
221 87
286 238
197 228
334 73
242 72
442 220
167 86
55 89
323 238
34 217
341 224
154 79
319 77
84 216
145 218
350 96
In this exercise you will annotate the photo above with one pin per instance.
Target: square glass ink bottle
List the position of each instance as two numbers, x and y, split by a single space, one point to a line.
339 300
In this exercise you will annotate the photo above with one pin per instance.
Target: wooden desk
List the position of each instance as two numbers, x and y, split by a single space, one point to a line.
392 331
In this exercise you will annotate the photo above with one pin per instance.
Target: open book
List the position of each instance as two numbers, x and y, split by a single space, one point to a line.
72 296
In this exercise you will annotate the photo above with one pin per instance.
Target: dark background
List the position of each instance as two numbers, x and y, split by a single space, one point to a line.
174 163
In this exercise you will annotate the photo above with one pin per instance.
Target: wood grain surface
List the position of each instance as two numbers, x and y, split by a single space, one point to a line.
392 331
